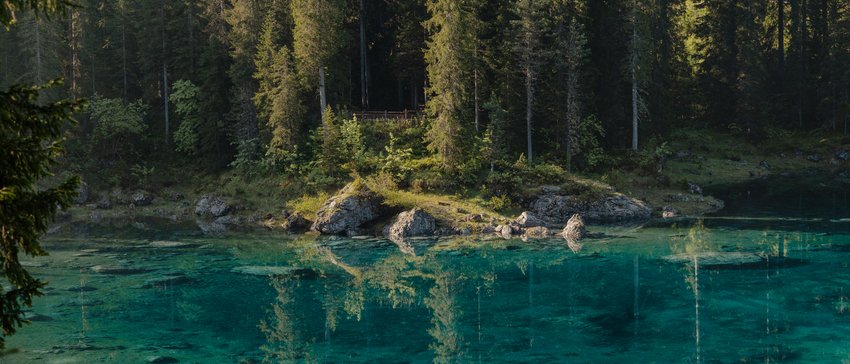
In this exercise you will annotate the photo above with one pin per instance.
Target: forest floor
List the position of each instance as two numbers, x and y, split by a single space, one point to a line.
703 158
713 160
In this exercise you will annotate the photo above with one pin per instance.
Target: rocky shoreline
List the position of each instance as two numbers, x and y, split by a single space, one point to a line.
355 210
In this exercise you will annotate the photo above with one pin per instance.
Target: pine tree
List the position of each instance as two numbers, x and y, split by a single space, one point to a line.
31 134
448 54
530 52
279 97
318 38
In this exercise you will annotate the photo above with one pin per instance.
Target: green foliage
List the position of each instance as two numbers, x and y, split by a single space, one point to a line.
46 8
30 142
501 203
333 152
449 56
588 144
353 145
512 180
318 35
142 173
397 162
117 125
186 99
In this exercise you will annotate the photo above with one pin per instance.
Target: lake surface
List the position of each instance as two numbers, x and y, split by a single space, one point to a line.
766 280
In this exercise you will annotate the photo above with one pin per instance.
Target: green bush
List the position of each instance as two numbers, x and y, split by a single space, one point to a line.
116 126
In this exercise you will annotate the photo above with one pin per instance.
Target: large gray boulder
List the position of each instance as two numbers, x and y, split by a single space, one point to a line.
212 206
528 220
575 229
411 223
141 198
352 207
557 209
83 194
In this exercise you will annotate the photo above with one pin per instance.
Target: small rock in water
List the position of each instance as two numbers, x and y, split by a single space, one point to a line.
168 281
81 289
764 165
32 264
162 360
504 231
34 317
842 155
814 158
267 270
117 270
575 229
169 244
537 232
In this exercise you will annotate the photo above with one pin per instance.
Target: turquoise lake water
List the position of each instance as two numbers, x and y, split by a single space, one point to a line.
766 280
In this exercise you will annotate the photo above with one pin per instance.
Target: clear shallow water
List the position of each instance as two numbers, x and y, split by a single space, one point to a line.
342 300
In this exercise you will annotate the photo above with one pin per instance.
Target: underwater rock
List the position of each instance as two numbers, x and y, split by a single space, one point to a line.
170 244
81 289
117 270
32 264
270 270
168 281
411 223
352 207
734 260
212 206
34 317
528 219
575 229
161 360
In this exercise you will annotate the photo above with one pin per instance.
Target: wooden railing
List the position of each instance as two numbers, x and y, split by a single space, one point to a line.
392 115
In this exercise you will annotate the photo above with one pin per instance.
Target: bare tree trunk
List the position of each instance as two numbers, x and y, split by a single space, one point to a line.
781 33
529 102
165 77
191 15
635 116
475 92
38 79
323 101
364 66
124 59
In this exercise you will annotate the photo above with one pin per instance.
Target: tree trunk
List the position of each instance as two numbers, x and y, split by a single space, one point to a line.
529 102
477 102
781 33
165 100
165 77
475 92
124 59
38 79
364 66
191 17
634 79
323 101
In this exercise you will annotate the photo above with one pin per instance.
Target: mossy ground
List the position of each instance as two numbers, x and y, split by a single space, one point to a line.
709 158
702 157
